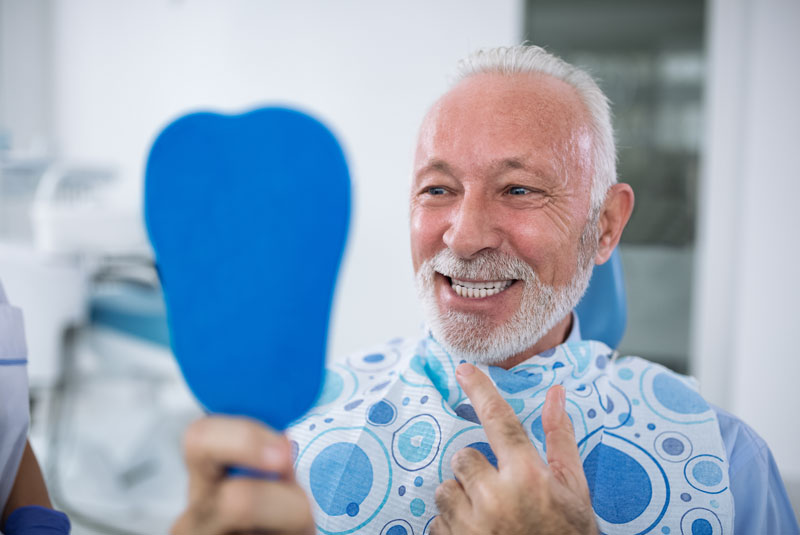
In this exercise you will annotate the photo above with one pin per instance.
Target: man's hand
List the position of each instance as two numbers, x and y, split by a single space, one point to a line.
220 504
523 495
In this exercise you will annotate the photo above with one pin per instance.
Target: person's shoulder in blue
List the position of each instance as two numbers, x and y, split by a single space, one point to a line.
759 496
760 502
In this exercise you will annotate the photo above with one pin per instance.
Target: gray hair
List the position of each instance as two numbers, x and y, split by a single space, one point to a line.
528 59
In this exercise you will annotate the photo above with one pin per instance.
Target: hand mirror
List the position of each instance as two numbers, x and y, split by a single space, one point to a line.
248 217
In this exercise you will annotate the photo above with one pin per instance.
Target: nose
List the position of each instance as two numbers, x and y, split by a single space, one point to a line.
472 228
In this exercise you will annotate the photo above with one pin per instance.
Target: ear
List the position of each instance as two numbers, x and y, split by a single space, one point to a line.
616 212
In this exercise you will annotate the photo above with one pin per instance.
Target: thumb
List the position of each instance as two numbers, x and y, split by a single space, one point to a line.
562 449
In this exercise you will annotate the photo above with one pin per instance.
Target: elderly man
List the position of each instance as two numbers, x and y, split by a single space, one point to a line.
501 419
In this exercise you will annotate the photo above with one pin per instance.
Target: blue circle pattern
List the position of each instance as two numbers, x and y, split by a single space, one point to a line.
397 526
701 526
621 487
673 446
707 473
676 396
344 465
417 507
701 521
416 443
382 413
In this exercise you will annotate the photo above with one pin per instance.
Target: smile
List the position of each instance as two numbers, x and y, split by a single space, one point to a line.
478 290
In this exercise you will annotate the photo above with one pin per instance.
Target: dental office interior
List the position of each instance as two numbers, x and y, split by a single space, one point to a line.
705 99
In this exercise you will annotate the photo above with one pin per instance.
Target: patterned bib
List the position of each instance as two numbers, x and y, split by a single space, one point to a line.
372 452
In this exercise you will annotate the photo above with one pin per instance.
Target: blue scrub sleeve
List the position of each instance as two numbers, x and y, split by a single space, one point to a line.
761 504
36 520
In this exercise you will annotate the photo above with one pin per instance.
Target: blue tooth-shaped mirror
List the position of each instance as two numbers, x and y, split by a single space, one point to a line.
248 217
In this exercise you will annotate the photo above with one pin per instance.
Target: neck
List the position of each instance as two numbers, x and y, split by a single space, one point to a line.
555 336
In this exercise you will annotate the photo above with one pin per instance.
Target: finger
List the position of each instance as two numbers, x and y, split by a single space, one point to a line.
562 449
451 500
249 505
214 443
471 469
503 429
439 526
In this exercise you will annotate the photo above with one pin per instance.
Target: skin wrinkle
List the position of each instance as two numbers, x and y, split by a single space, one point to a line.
489 132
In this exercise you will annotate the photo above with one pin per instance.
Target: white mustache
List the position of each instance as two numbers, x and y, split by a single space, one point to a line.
489 265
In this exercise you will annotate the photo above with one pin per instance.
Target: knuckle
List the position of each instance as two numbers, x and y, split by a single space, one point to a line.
463 459
195 438
490 504
513 433
487 497
444 493
528 472
497 408
250 437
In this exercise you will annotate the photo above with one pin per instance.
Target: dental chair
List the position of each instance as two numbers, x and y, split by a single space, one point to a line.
119 413
603 310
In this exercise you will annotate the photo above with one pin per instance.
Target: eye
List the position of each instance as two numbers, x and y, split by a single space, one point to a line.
435 190
518 190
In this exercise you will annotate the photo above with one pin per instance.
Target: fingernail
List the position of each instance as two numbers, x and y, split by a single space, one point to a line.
562 397
465 369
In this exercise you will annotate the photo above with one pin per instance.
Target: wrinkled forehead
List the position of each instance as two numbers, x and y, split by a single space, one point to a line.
496 113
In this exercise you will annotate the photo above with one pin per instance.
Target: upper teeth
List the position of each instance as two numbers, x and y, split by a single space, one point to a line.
479 289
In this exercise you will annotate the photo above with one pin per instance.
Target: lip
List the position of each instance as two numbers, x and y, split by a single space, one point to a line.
470 280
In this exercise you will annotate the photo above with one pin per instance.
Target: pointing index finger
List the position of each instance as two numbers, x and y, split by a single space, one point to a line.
506 435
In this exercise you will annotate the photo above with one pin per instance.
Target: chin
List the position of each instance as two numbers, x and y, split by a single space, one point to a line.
469 337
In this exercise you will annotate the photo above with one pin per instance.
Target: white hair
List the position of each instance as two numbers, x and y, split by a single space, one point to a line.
528 59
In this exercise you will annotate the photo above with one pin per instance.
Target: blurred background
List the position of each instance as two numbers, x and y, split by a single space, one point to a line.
706 113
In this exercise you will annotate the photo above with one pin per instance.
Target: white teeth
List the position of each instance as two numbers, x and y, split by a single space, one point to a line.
478 290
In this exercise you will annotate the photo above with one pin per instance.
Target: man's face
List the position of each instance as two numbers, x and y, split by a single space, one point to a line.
499 209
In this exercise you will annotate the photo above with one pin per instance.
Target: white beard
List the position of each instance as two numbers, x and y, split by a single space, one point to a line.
469 336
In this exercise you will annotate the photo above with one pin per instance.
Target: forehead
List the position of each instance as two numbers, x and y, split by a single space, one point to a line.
495 116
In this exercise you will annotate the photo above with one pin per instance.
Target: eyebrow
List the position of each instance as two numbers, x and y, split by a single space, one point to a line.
496 167
507 163
438 165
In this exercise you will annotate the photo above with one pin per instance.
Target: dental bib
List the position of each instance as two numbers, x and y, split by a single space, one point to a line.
372 451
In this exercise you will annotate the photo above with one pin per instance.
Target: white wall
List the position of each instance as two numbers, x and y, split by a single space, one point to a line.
369 69
25 76
748 290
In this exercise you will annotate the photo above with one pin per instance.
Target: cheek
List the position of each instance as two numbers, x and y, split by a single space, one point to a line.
551 254
426 236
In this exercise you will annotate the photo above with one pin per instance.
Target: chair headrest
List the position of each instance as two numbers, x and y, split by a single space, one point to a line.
603 310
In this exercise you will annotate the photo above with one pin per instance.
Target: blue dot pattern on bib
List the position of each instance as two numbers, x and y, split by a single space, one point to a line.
388 422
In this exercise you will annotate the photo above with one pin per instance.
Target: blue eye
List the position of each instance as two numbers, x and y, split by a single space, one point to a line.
436 190
518 190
